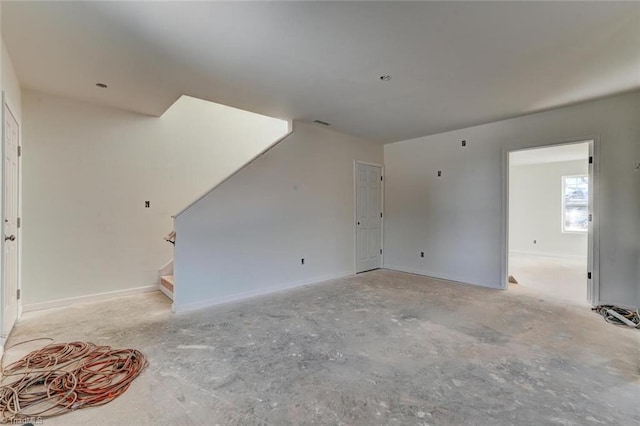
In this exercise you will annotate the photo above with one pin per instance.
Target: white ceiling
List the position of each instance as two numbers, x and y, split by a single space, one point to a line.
551 154
453 64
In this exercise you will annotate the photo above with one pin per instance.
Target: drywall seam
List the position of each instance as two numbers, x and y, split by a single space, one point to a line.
89 298
258 292
267 149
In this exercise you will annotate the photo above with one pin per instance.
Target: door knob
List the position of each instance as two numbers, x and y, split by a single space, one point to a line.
10 238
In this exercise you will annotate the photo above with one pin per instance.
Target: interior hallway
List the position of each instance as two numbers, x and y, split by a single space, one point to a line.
380 348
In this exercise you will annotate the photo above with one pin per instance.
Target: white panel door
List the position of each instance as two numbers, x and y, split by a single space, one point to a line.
368 217
10 252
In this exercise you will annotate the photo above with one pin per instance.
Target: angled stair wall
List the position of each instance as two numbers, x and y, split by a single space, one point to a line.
88 172
249 235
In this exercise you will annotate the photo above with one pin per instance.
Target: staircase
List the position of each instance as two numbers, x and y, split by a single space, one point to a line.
165 277
166 285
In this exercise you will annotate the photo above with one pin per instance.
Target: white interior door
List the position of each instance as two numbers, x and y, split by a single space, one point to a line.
10 226
368 217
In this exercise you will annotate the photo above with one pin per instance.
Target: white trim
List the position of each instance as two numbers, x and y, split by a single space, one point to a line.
366 163
6 105
593 261
260 154
593 256
355 213
2 230
165 291
167 269
504 220
88 298
428 274
355 216
254 293
623 305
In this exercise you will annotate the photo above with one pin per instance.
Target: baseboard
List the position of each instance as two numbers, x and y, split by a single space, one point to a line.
255 293
88 298
436 276
622 305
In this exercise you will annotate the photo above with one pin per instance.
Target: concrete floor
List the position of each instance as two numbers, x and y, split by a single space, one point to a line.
381 348
557 277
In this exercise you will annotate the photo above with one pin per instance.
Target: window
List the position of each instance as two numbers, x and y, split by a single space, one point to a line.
575 203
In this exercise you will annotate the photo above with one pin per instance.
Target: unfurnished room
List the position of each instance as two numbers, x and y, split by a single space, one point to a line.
331 213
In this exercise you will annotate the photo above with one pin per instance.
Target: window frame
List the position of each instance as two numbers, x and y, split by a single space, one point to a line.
563 188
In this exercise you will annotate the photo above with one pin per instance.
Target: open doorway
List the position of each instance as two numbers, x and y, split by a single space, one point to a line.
550 227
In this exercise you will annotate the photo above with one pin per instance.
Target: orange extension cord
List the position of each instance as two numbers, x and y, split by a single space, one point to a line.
63 377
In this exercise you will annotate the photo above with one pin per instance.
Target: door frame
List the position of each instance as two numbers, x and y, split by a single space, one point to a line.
7 104
355 212
593 234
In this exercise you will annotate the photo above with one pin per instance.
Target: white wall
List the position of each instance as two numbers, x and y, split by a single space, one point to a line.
2 44
248 235
11 85
535 210
88 171
457 219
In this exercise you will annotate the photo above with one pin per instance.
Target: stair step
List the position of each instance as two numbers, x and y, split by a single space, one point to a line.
166 281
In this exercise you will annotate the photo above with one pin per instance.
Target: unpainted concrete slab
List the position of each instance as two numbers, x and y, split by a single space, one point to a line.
381 348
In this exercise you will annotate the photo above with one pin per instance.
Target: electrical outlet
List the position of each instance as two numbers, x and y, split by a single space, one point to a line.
421 254
464 143
147 204
302 261
439 173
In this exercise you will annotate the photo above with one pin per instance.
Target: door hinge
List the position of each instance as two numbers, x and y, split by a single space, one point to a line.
588 275
18 294
590 160
590 217
380 214
19 222
381 178
380 251
19 151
